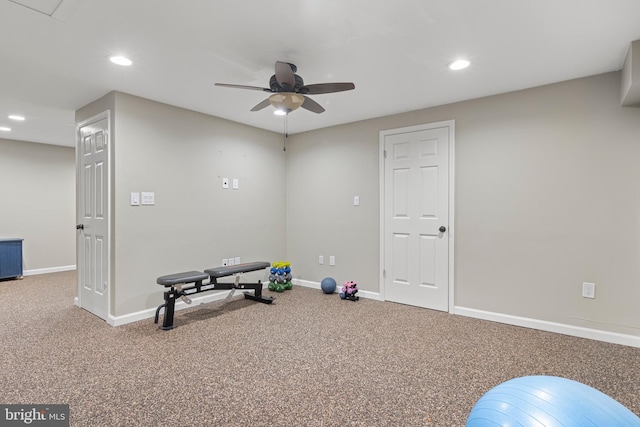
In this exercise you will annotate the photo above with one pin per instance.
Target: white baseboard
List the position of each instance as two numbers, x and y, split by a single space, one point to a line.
180 305
219 296
48 270
559 328
315 285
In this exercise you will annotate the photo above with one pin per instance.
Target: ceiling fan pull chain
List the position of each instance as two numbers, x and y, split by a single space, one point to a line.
286 133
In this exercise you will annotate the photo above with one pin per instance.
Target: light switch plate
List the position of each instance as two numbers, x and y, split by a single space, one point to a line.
148 198
588 290
135 199
235 183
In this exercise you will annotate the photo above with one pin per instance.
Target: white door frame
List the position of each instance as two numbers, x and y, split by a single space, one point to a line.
101 116
451 230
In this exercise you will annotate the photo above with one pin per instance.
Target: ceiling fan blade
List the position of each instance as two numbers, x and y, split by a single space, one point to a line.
312 105
263 89
320 88
263 104
284 75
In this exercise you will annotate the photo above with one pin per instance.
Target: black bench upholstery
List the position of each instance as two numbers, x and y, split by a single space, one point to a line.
181 285
236 269
182 278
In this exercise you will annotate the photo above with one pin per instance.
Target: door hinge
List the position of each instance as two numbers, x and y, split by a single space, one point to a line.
384 153
384 273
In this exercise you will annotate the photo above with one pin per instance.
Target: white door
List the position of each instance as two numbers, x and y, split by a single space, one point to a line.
93 215
416 216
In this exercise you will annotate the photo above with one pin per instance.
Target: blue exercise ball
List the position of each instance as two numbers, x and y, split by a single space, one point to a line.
328 285
550 402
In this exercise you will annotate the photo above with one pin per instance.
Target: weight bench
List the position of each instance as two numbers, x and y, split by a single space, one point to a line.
191 282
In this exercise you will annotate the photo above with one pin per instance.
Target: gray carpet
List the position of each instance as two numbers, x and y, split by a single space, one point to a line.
308 359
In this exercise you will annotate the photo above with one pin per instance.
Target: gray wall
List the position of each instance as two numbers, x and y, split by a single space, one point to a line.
37 199
546 197
182 156
326 168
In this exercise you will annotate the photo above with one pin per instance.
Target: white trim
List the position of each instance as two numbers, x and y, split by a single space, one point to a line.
219 296
451 124
180 305
558 328
37 271
451 230
316 285
381 172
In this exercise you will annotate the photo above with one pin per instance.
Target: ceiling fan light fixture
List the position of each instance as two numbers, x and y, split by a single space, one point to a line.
286 101
280 112
459 64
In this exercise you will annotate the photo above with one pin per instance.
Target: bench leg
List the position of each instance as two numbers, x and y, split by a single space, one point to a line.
169 309
257 296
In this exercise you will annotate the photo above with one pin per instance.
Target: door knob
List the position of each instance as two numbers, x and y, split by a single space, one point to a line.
442 229
80 227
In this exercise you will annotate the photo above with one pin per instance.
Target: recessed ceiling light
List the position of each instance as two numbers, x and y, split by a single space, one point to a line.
460 64
4 128
120 60
16 117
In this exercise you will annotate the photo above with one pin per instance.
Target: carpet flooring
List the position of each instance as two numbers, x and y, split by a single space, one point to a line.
308 359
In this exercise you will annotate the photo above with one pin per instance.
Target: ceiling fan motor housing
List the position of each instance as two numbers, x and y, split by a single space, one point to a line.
277 87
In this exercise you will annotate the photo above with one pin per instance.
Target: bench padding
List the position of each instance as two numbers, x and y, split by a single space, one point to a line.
236 269
180 278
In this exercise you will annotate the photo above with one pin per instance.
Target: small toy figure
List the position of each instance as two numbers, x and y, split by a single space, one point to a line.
349 291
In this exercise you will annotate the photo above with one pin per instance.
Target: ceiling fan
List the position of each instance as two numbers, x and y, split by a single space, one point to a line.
289 91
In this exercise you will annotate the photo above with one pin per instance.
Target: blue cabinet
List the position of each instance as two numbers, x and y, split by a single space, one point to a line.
10 258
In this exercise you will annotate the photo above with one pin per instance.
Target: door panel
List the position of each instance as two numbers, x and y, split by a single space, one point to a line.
416 200
93 242
429 192
428 260
400 259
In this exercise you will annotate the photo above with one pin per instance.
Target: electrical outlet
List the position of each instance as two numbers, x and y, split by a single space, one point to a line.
332 260
225 182
589 290
320 259
225 262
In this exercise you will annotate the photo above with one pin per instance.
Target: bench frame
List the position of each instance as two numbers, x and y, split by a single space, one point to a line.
177 282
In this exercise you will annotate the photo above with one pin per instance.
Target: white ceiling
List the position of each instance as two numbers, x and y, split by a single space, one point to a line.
396 52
